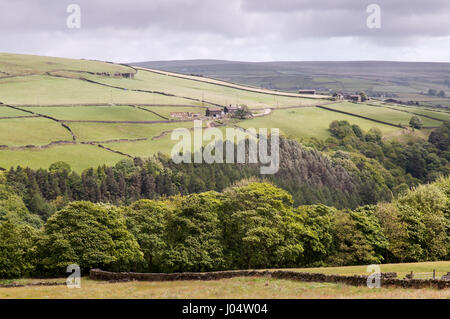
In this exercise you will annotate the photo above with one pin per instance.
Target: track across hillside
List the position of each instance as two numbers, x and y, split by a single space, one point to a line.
233 85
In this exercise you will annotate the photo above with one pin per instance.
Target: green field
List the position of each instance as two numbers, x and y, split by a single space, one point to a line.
31 131
17 64
164 144
46 90
145 148
441 115
107 131
79 157
9 112
381 113
96 113
203 91
309 122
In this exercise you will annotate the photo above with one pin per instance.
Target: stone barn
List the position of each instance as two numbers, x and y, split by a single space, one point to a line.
214 112
231 109
338 96
354 98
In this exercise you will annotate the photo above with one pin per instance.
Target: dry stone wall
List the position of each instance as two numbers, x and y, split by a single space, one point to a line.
387 279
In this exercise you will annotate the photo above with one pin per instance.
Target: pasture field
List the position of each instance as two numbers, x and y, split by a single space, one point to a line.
381 113
145 148
78 156
441 115
47 90
10 112
16 64
309 122
229 84
31 131
163 144
241 287
86 132
214 93
96 113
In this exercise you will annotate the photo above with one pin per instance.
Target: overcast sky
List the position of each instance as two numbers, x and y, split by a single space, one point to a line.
245 30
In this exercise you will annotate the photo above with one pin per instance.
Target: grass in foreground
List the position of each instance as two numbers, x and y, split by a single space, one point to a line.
234 288
250 287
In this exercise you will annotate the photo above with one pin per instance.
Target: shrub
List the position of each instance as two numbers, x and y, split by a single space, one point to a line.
17 258
90 235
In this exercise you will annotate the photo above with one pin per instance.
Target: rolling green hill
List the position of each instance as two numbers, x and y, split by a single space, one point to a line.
89 113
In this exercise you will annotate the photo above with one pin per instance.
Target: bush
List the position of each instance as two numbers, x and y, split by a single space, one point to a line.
416 122
359 238
90 235
17 250
13 209
194 237
147 221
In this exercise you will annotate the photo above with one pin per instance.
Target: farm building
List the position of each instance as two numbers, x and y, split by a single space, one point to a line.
354 98
307 91
214 112
338 96
230 109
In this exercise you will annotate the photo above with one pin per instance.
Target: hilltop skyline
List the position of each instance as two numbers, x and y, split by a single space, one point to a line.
237 30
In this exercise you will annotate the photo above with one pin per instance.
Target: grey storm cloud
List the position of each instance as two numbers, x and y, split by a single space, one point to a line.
212 25
234 18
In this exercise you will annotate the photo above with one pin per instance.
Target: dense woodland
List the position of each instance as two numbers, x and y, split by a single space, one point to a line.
352 199
251 225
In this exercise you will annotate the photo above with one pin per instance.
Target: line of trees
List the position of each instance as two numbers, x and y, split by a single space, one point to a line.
309 175
350 169
408 164
250 225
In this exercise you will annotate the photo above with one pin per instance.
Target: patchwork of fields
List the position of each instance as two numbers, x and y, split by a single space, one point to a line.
87 114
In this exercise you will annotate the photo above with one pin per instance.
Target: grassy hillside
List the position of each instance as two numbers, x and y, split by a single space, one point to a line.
403 79
47 100
20 64
394 116
309 122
